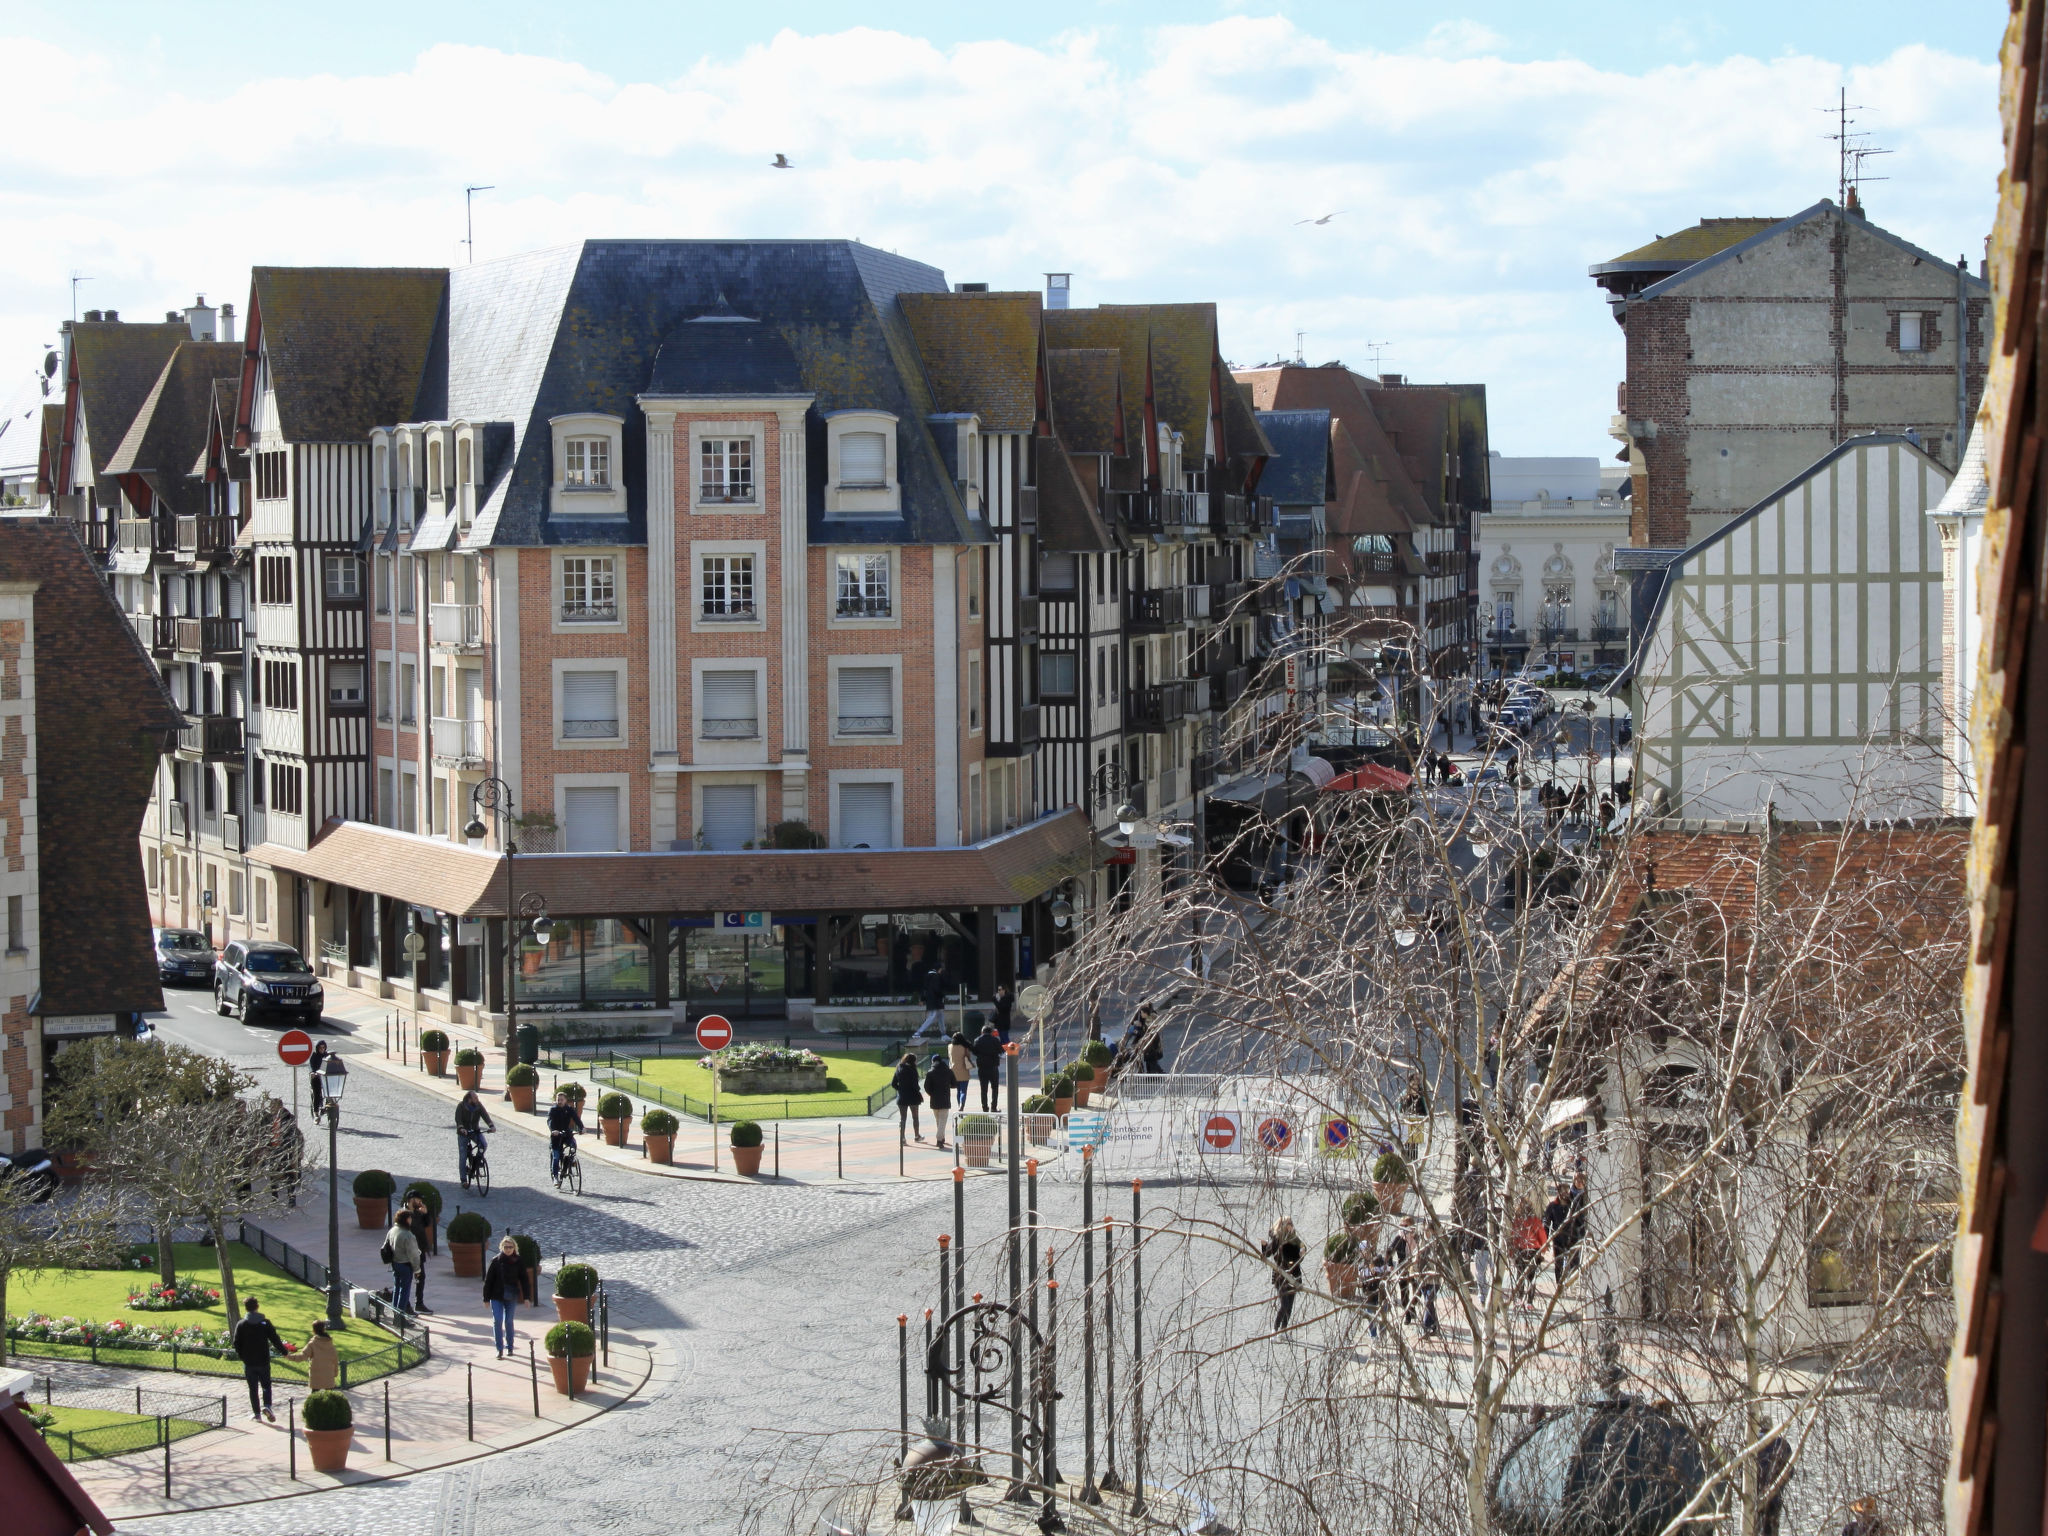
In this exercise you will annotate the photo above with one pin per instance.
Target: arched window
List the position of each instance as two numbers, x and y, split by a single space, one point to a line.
462 461
405 465
434 486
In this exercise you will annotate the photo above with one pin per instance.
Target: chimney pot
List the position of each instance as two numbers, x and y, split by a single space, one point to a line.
1057 287
113 317
227 322
95 316
970 287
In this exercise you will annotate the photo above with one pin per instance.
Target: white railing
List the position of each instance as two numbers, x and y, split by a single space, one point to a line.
458 741
459 624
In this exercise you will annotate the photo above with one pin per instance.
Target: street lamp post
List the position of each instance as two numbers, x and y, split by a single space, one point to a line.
495 795
335 1076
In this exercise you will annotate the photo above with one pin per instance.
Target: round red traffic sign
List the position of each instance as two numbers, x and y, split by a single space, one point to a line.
295 1047
1275 1134
714 1032
1220 1131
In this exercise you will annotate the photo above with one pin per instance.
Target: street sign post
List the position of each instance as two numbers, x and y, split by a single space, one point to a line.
714 1034
295 1047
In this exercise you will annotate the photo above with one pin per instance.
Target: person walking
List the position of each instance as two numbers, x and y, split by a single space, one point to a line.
402 1253
1772 1460
938 1088
1554 1215
908 1097
1864 1520
506 1284
315 1066
423 1229
323 1362
1282 1251
988 1064
960 1056
255 1341
934 995
1005 1011
1529 1236
1574 1226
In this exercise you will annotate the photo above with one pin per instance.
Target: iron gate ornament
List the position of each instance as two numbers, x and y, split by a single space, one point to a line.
991 1360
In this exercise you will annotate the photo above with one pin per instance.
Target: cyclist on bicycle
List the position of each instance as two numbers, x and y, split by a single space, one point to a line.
469 1115
565 1123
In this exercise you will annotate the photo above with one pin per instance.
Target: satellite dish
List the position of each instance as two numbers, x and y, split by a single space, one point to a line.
50 365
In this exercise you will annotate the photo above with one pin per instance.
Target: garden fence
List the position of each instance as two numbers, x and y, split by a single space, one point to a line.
158 1418
609 1069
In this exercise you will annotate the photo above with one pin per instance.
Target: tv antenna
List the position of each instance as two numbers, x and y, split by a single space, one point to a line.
1299 336
469 218
1376 348
1851 148
77 277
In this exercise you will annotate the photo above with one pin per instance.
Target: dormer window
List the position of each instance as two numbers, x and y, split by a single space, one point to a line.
434 484
587 466
860 453
863 461
726 469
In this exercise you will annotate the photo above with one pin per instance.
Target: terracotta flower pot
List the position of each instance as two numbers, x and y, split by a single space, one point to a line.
746 1160
614 1132
1084 1090
468 1078
434 1062
561 1365
329 1448
468 1257
977 1150
572 1309
372 1215
1342 1279
1390 1196
522 1097
661 1149
1063 1107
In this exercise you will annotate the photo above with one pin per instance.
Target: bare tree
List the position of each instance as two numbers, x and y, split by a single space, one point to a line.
60 1233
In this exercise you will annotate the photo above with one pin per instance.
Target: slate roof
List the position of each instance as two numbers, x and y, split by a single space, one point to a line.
980 353
116 364
1123 330
721 353
1418 421
102 719
1704 239
170 430
1824 209
1969 494
1086 405
227 398
1375 493
349 347
1299 473
1069 508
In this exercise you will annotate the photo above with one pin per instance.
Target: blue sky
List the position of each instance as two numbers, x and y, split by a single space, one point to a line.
1477 156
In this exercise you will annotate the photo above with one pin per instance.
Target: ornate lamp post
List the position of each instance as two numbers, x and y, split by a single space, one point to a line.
495 796
335 1076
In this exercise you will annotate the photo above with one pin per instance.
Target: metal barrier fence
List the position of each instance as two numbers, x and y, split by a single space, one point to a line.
155 1419
610 1070
302 1266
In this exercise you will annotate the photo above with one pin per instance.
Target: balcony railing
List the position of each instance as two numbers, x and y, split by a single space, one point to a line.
1228 686
731 613
1027 618
163 637
1507 637
1198 695
1166 514
458 743
1609 632
99 536
213 737
1155 708
590 730
867 725
850 607
231 831
185 636
1225 598
1156 608
203 537
178 818
456 626
220 639
732 730
133 536
590 613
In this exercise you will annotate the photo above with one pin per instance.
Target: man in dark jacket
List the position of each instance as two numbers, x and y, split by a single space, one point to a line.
255 1340
939 1084
933 991
1005 1011
565 1124
471 1120
988 1067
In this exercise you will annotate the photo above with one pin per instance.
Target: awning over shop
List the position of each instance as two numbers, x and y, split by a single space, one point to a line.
468 882
1372 777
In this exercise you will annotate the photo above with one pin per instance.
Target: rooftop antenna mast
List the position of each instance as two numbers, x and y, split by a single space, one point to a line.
1376 348
469 218
1299 336
77 277
1851 148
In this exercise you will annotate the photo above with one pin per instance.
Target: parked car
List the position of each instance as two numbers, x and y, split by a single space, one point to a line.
1542 672
257 977
36 1170
183 954
1599 678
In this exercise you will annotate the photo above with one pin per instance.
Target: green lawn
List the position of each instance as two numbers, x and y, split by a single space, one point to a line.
101 1295
850 1075
83 1434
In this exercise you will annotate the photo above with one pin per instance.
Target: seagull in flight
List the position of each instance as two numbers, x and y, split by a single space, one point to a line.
781 163
1324 219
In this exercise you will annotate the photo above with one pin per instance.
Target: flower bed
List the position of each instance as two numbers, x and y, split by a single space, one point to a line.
40 1328
178 1296
768 1069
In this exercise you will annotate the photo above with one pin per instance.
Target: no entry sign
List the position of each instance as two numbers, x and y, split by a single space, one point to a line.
714 1032
1219 1131
295 1047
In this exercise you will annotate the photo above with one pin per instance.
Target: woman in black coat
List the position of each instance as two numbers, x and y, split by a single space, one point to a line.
1282 1250
939 1086
988 1066
908 1096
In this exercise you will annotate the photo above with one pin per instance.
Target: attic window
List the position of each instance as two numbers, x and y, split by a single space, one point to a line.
586 464
862 475
863 461
462 476
586 457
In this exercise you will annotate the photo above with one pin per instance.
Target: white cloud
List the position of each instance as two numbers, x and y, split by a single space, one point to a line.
1477 189
1462 38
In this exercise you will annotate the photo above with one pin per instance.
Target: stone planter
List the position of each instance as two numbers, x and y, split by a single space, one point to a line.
469 1079
468 1258
746 1160
572 1309
614 1132
661 1149
795 1080
435 1063
977 1151
372 1215
329 1448
1084 1090
1342 1279
561 1365
522 1097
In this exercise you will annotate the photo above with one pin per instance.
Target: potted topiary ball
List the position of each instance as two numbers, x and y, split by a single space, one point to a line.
570 1346
330 1425
576 1091
977 1135
1062 1090
373 1191
575 1284
1097 1056
612 1110
659 1127
1361 1213
432 1197
746 1147
1390 1180
467 1234
469 1068
1340 1265
521 1082
1041 1124
529 1260
434 1050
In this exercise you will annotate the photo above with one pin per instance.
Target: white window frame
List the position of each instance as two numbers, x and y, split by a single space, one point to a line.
1919 320
757 550
362 698
565 500
737 749
350 567
833 666
558 590
699 431
894 619
622 782
762 789
861 501
750 442
890 776
617 666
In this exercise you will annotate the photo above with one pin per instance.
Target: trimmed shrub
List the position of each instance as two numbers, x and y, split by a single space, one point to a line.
659 1122
469 1056
522 1076
328 1410
1097 1054
1389 1168
571 1340
745 1133
576 1091
468 1227
613 1106
1360 1207
529 1250
1340 1248
426 1192
574 1280
433 1040
1038 1104
375 1184
978 1125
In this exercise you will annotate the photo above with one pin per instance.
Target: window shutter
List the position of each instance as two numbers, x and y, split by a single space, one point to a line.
729 696
593 816
865 815
590 704
863 459
866 701
728 815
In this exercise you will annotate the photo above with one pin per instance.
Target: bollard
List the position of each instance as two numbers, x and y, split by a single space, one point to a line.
533 1369
291 1436
1137 1349
841 1132
1017 1493
931 1387
1110 1482
469 1385
778 1149
387 1421
163 1426
604 1326
1048 1388
902 1386
1090 1494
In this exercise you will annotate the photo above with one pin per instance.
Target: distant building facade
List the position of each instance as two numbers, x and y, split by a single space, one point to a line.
1548 586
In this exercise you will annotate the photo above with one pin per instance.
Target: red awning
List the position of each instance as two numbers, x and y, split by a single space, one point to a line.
1372 778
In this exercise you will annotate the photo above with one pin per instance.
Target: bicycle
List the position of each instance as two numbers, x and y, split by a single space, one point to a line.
475 1167
569 1169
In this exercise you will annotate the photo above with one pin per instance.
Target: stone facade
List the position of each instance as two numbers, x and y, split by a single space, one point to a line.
21 1055
1547 583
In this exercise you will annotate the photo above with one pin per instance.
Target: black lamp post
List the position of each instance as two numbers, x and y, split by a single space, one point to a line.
495 795
335 1076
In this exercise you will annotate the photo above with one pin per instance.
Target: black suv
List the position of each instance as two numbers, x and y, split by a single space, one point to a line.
256 977
183 954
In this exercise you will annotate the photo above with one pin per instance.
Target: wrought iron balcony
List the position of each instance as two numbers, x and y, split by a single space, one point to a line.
590 613
1155 708
731 730
1608 632
864 725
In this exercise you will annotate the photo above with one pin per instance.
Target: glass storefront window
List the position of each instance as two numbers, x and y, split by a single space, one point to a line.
615 960
552 972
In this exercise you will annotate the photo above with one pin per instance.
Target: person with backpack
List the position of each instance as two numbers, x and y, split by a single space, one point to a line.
255 1340
938 1088
988 1067
402 1252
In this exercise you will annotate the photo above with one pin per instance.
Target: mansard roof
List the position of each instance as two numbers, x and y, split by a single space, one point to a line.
980 353
350 348
1299 474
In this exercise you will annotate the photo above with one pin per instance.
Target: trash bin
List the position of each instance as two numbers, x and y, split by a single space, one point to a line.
527 1038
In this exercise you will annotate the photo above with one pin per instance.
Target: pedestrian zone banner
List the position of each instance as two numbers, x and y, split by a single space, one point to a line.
1086 1128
